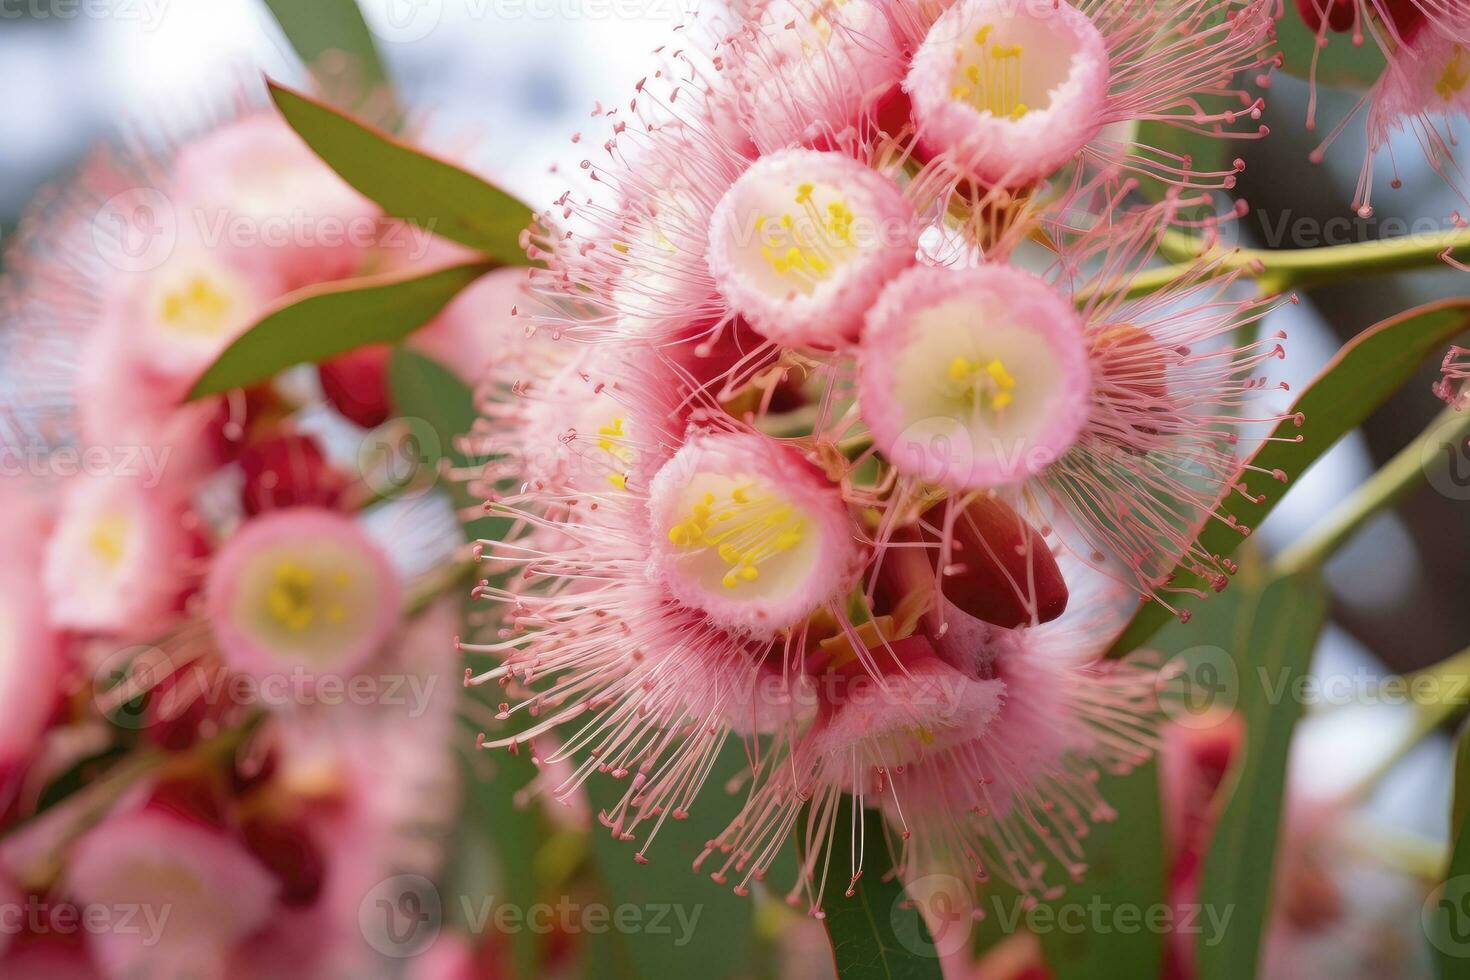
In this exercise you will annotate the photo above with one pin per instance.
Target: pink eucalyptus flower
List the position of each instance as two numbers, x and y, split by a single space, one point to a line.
803 241
1009 93
255 183
204 891
31 654
120 558
301 588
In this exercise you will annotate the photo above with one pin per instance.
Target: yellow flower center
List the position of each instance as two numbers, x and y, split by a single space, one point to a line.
109 538
808 245
297 596
197 308
1455 77
988 76
986 383
743 528
610 441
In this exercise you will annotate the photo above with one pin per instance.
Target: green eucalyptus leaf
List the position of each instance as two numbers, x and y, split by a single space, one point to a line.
319 322
875 930
1361 377
1271 642
1341 63
1447 912
681 924
407 183
319 26
421 388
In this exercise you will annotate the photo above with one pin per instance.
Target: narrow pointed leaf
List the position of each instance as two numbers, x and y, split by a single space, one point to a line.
704 929
320 26
1271 642
1366 371
406 182
313 324
422 388
875 932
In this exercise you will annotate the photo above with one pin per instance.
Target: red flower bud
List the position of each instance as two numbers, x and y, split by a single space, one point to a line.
998 568
288 471
289 850
356 384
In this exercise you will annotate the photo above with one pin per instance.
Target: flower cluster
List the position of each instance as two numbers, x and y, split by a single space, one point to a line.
206 610
848 424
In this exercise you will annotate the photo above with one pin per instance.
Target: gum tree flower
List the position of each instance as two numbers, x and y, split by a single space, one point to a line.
301 588
215 892
120 559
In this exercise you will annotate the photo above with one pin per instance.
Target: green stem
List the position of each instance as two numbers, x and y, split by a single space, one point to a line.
1439 694
1388 486
1279 270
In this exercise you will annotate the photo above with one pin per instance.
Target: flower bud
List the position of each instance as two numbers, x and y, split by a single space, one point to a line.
997 567
356 384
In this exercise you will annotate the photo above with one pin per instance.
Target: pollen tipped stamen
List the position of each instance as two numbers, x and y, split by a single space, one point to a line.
743 529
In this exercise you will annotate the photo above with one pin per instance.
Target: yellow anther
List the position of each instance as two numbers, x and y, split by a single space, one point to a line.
1002 377
290 599
1454 78
107 538
990 384
619 480
198 307
983 35
748 527
804 193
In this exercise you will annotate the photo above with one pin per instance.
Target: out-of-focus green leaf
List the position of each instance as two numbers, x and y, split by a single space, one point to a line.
1447 913
313 324
1341 63
1272 642
315 27
1125 879
407 183
1366 371
421 388
875 931
492 827
688 925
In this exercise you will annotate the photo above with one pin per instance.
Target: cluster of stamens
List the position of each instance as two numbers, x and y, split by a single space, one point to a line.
745 529
609 440
805 256
991 81
988 383
293 594
197 308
